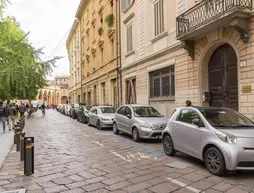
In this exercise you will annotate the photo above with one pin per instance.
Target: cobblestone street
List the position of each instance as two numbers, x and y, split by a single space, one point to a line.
73 157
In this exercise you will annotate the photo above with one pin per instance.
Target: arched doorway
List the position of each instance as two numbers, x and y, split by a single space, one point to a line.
223 78
64 100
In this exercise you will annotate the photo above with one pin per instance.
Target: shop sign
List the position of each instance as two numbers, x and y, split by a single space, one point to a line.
246 89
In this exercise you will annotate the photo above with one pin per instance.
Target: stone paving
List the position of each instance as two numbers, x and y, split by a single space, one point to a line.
71 157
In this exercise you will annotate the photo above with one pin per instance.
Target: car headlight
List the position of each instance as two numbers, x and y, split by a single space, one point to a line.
105 119
146 125
226 137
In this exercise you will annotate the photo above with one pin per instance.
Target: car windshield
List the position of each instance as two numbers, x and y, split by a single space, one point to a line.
108 110
76 105
146 112
225 118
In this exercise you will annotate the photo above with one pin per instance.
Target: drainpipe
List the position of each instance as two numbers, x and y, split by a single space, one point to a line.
119 61
81 61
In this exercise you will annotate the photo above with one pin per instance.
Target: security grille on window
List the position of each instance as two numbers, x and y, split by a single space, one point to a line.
159 17
162 83
129 39
125 4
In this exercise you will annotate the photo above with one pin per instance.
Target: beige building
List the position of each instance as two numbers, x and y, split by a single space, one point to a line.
73 45
100 53
202 51
62 83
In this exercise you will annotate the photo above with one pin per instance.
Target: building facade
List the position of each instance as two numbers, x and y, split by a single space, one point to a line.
73 45
149 52
100 51
56 92
188 50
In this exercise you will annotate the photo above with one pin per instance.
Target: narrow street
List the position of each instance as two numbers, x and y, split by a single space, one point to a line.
73 157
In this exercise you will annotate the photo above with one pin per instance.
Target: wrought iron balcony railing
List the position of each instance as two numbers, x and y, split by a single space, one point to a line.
207 11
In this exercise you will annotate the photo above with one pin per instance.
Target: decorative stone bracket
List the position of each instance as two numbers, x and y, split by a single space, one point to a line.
93 51
100 11
189 46
241 25
100 43
87 57
111 33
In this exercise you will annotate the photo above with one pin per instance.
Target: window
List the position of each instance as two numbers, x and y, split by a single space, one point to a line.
162 83
187 116
121 110
103 93
112 48
129 39
128 111
106 110
159 17
125 4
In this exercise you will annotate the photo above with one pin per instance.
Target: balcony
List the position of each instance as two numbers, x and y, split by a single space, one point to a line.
210 14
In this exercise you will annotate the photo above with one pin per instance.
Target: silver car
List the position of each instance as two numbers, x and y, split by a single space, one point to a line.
101 116
221 137
140 121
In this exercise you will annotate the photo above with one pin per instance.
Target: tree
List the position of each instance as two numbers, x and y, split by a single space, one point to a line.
22 72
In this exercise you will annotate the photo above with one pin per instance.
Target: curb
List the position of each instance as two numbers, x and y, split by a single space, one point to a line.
6 144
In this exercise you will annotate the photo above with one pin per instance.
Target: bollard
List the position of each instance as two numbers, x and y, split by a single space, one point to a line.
18 132
22 146
29 156
15 137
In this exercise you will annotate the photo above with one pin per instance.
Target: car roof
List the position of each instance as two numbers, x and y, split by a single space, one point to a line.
204 108
104 106
137 105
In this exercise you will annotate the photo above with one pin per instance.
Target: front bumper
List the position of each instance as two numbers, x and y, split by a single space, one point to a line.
238 158
106 124
147 133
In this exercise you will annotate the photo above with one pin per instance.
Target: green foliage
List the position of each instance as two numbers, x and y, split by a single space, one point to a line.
109 19
22 71
100 30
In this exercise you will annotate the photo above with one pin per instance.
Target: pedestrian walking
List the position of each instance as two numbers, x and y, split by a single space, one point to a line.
12 113
27 106
3 115
22 109
188 103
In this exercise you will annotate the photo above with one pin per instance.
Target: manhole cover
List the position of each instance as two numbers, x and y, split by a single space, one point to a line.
178 164
16 191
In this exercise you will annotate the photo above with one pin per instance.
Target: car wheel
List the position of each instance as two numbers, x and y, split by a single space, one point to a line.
88 122
115 129
135 135
98 125
214 161
168 146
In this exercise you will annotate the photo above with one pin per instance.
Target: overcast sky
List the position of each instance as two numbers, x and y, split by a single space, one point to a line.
48 21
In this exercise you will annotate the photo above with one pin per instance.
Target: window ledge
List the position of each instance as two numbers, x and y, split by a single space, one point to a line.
129 53
162 99
162 35
125 10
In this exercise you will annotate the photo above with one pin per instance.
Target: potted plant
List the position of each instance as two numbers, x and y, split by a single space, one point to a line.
100 30
109 19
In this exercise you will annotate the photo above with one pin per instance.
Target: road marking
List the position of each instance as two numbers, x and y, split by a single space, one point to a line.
123 158
98 143
179 183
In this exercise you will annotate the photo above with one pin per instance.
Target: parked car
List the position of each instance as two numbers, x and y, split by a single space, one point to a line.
58 107
74 110
68 110
83 113
62 110
222 138
140 121
101 116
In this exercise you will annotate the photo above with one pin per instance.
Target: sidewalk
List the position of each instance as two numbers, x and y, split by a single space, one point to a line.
6 142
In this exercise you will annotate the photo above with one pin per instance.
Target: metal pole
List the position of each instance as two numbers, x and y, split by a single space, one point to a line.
29 156
22 146
18 132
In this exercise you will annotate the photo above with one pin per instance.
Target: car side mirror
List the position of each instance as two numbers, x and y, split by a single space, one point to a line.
196 122
129 116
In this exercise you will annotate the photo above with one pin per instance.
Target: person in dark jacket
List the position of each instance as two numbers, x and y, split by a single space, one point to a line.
3 115
22 109
12 113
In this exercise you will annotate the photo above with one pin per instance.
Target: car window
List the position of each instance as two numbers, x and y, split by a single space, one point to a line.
121 110
106 110
94 110
187 115
127 111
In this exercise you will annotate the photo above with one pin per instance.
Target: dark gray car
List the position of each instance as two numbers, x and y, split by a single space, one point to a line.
140 121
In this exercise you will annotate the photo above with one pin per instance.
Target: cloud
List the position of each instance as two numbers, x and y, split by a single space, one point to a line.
48 21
